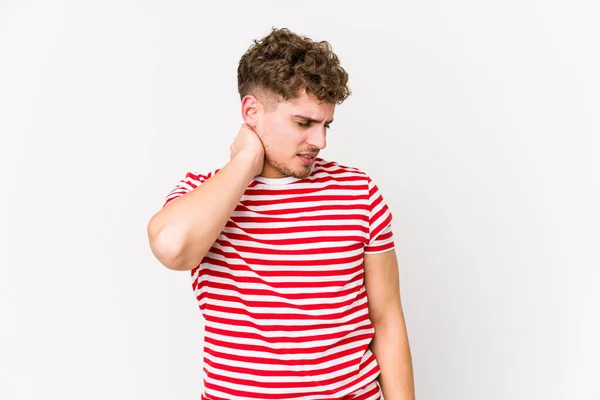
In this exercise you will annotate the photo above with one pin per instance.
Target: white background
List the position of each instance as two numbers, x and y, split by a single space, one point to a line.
479 120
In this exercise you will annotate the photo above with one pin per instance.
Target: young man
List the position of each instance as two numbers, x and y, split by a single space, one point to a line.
292 257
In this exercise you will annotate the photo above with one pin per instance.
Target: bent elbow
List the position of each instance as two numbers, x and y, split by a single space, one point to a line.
166 249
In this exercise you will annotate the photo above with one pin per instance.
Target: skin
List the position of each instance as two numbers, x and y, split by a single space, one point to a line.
390 344
285 131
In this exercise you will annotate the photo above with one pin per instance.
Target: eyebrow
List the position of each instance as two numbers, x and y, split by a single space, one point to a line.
308 119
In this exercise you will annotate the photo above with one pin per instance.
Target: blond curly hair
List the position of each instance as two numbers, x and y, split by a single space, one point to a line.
283 63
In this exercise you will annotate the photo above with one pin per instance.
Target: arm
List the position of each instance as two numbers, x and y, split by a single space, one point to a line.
390 344
183 231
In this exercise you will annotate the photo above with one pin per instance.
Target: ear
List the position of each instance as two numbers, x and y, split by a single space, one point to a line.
251 109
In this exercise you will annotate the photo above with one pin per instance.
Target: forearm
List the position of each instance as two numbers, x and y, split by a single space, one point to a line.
391 349
183 231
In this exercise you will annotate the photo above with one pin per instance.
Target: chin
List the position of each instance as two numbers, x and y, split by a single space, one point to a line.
298 171
301 174
301 171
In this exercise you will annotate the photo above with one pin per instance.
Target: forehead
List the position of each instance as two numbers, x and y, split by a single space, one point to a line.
309 106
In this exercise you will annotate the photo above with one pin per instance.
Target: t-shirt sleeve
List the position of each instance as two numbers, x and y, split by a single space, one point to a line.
191 181
381 237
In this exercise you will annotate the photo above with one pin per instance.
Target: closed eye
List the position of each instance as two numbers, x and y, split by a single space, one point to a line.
307 124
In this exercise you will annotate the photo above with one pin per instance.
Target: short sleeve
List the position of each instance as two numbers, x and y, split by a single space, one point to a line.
381 237
191 181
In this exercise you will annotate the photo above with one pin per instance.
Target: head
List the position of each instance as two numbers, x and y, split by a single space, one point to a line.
289 86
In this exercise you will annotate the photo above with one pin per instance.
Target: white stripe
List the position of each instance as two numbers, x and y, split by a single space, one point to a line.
296 257
298 335
354 346
291 247
306 214
296 235
300 224
300 380
285 322
284 291
269 282
291 342
324 312
313 192
304 204
333 299
282 366
301 388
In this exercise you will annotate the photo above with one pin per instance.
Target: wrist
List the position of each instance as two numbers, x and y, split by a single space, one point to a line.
250 161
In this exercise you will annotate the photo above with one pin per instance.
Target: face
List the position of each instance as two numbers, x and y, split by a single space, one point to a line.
293 132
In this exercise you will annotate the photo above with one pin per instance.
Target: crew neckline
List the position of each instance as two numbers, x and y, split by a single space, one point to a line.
285 180
277 181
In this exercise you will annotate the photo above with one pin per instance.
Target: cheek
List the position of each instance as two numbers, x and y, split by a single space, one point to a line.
284 139
291 141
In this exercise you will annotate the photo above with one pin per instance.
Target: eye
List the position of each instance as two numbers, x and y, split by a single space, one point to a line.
307 124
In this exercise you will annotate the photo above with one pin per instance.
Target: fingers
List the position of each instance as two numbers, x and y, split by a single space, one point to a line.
245 125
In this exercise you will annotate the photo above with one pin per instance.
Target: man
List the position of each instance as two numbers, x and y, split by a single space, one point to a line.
292 257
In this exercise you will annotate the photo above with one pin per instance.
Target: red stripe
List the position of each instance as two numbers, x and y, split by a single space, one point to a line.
289 296
286 328
382 225
303 199
276 361
291 190
298 252
310 218
298 229
281 285
283 242
260 383
258 316
291 263
275 304
281 373
307 209
286 339
379 249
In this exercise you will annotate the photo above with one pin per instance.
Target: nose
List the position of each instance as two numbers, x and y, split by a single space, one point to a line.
317 138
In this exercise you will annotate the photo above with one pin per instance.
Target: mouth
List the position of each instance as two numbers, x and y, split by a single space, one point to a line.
307 158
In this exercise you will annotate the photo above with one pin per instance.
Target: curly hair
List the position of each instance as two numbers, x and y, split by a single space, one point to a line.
283 63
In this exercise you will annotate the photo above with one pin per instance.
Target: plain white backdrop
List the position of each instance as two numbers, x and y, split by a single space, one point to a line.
479 120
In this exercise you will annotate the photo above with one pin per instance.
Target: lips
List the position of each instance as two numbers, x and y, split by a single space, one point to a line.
307 158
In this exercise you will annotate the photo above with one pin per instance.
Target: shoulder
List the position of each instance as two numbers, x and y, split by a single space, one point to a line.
187 183
194 178
333 168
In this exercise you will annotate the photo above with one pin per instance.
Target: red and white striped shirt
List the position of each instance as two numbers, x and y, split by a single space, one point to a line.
282 288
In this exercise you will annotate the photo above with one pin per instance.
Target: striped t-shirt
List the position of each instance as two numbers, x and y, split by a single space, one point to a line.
282 288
